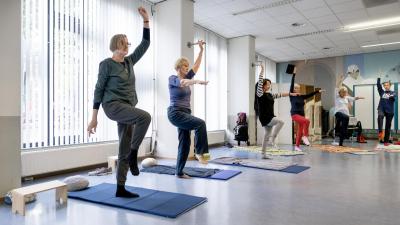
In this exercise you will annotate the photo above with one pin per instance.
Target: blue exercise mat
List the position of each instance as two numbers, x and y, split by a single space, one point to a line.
295 169
207 173
154 202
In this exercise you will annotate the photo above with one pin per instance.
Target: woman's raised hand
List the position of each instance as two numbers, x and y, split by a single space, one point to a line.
201 44
143 13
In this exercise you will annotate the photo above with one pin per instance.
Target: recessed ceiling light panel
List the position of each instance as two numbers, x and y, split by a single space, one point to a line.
382 44
387 22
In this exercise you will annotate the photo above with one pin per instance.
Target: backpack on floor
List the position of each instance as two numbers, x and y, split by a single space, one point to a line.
241 128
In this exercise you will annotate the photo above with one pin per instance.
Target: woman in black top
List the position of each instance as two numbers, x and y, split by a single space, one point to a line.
265 110
297 112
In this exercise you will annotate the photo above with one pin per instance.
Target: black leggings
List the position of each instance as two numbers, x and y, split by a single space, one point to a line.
388 124
342 123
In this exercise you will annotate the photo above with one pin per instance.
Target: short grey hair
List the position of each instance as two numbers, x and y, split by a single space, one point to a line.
116 41
179 63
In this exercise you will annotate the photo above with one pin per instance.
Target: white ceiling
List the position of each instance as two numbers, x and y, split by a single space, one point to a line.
268 24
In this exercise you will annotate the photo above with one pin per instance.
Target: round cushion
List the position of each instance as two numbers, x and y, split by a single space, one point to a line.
149 162
76 183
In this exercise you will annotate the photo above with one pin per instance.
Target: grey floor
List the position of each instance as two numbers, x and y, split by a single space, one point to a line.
339 189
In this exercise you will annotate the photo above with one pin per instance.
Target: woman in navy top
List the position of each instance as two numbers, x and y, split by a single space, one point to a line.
385 109
179 113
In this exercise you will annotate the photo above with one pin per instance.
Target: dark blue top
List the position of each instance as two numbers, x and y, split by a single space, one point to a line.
297 102
180 96
386 102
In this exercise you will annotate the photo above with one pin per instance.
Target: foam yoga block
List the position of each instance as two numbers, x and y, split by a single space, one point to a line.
149 162
76 183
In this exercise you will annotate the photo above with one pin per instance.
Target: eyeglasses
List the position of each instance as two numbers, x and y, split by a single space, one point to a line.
129 44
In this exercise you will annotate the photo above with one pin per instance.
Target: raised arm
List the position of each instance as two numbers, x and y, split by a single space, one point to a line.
260 82
197 63
379 86
145 43
292 84
340 81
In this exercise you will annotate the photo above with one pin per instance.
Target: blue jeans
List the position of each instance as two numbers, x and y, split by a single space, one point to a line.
185 122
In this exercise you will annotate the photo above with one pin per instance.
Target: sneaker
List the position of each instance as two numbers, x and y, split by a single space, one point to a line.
386 144
305 140
201 159
297 148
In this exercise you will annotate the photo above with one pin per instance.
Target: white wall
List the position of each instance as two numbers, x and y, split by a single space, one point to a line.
69 157
241 81
10 95
174 19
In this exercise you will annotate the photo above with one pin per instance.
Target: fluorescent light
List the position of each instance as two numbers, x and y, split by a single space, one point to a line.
375 45
372 24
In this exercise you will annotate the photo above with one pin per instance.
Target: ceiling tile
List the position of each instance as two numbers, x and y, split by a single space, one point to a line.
237 5
308 4
325 19
281 11
317 12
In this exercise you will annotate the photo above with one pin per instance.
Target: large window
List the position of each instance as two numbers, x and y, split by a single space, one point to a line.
63 42
210 101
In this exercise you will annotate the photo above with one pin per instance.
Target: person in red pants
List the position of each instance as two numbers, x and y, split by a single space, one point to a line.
297 111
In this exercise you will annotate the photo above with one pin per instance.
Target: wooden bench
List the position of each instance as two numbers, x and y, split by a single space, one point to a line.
112 162
18 195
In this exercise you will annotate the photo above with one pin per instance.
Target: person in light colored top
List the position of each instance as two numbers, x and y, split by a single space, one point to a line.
342 113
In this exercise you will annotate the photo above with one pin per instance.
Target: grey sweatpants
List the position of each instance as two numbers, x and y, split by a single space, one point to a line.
132 127
271 131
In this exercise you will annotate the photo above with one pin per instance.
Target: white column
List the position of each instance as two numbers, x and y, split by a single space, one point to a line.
241 82
174 19
10 95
